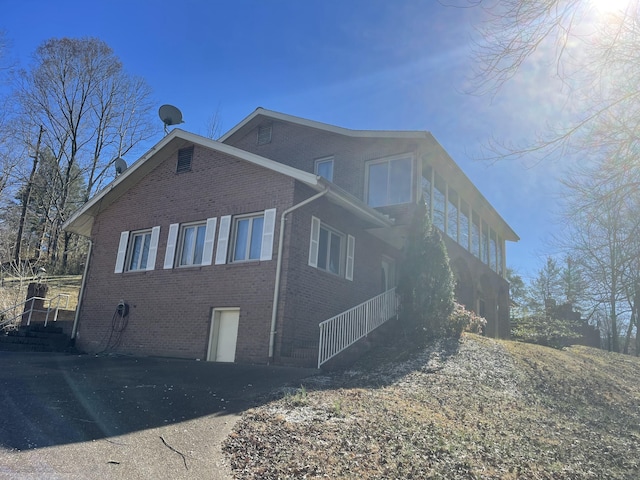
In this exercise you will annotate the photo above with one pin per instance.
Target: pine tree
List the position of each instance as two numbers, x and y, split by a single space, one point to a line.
426 285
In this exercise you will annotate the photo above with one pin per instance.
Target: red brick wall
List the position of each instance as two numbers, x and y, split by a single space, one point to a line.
313 295
170 310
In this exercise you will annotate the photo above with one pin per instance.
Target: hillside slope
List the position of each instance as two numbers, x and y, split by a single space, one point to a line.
478 408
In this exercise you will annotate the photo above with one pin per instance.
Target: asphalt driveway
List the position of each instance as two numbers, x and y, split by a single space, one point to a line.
80 416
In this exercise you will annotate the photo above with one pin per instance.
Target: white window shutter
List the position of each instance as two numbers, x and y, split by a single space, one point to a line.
351 247
269 226
122 252
313 244
171 245
223 240
153 248
209 238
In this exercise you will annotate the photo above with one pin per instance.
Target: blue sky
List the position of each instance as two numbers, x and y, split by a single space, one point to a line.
361 64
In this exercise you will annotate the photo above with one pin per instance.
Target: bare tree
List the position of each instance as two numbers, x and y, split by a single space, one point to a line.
594 54
602 231
92 112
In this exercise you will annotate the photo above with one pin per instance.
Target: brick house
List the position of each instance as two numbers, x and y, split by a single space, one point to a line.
236 250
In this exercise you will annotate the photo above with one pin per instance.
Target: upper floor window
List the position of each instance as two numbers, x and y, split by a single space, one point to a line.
390 181
191 244
137 250
324 168
247 238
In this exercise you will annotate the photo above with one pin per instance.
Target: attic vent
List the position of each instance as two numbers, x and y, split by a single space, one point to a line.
264 135
185 155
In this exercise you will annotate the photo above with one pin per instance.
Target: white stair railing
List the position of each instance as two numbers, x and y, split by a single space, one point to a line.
343 330
14 316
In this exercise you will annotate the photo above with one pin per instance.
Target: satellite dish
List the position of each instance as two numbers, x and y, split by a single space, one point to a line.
170 115
121 165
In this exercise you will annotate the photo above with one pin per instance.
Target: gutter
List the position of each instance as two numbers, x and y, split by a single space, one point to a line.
74 330
276 289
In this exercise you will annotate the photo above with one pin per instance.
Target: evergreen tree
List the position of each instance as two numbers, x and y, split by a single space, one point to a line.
426 285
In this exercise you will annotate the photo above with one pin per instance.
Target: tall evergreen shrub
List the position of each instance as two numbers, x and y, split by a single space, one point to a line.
426 284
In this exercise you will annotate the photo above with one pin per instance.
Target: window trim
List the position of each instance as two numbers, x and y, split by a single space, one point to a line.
319 161
225 250
347 249
180 244
403 156
125 250
132 240
234 237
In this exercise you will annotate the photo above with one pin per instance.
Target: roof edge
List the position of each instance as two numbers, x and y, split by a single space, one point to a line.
323 126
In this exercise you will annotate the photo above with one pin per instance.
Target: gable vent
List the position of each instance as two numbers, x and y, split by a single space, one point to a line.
185 155
264 135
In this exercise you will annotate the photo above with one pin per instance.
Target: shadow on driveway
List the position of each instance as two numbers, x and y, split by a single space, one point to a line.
57 399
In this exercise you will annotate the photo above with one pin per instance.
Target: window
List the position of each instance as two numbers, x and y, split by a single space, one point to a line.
475 235
324 168
328 250
439 200
264 135
247 236
185 155
137 250
452 213
426 187
252 237
390 182
191 245
464 225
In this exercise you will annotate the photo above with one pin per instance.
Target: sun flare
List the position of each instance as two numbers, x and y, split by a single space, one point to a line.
609 6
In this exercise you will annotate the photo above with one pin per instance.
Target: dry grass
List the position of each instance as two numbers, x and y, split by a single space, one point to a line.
479 409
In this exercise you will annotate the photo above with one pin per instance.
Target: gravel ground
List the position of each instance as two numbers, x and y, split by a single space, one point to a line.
474 409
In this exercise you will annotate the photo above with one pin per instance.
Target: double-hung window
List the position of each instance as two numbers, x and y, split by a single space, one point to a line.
191 244
137 250
247 238
390 181
330 245
331 250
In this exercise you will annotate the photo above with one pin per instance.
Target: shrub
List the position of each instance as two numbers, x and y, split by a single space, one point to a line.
545 330
425 283
463 320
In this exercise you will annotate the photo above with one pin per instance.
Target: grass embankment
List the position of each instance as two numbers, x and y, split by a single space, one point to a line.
14 290
478 409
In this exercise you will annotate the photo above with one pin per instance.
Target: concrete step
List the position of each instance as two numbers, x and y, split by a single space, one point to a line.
35 338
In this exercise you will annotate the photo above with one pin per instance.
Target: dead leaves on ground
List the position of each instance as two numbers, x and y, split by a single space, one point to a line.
487 410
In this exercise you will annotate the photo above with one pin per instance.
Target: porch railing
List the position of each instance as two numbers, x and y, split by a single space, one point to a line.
14 316
340 332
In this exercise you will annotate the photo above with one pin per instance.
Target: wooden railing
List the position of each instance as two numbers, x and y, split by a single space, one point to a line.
340 332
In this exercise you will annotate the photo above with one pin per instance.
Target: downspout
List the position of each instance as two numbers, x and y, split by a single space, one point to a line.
74 330
276 289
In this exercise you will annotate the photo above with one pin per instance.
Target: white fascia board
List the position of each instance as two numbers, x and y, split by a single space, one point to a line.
292 172
347 201
324 126
81 221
